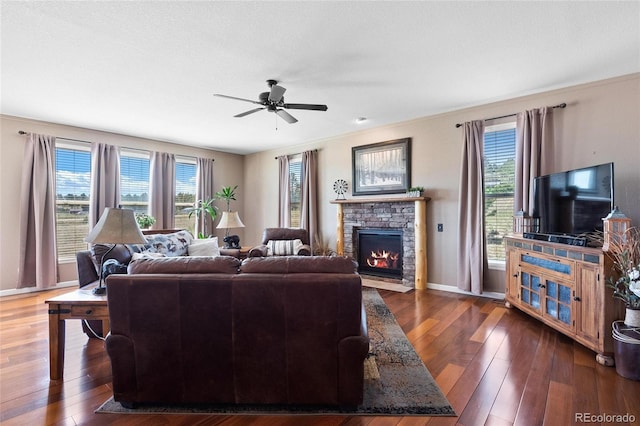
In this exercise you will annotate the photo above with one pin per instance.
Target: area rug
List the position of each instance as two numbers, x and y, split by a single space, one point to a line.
398 384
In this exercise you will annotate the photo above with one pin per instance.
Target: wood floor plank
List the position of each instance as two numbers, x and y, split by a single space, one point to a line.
496 366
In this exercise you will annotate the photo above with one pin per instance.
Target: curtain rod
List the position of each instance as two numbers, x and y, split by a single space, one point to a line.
562 105
314 150
22 132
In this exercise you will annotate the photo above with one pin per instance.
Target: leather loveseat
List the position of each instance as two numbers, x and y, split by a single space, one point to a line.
297 237
276 330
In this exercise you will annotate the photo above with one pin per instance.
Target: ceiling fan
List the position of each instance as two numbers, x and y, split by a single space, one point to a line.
273 101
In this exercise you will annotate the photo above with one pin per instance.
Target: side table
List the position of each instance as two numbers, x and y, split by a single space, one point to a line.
240 253
79 304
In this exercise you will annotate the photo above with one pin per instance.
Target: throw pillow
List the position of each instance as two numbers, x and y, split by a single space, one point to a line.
208 247
112 266
170 245
283 247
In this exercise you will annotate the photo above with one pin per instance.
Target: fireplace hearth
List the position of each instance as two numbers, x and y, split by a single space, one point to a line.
379 252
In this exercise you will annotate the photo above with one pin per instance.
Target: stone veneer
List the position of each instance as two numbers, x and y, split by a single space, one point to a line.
383 215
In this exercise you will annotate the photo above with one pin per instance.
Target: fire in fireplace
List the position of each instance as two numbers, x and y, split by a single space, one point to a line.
380 252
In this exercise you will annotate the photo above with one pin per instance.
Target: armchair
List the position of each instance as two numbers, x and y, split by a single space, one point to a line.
282 234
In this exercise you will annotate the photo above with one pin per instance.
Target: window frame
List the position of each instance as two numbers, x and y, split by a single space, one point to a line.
295 161
140 154
493 263
72 145
192 222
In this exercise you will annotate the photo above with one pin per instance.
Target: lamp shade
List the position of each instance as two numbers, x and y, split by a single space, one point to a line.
230 220
116 226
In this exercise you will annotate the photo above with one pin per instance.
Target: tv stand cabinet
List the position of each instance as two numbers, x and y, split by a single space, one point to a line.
564 287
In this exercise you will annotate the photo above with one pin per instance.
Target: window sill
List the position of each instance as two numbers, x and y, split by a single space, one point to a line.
497 265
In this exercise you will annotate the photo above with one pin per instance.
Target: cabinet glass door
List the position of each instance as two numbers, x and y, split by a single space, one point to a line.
558 302
530 289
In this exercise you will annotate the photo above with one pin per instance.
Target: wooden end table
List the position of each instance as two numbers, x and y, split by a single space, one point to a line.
79 304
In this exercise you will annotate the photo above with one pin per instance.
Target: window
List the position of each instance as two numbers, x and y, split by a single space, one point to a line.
134 180
185 193
499 184
73 183
295 189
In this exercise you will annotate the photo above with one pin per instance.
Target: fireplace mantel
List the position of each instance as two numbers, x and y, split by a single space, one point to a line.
379 200
419 224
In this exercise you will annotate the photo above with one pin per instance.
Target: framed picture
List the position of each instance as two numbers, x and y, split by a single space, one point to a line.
382 168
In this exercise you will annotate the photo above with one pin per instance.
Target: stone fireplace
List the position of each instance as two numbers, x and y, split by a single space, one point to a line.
405 216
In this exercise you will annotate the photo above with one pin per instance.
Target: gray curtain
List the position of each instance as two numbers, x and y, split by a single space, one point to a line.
309 207
284 196
204 191
162 181
38 258
534 156
105 180
472 251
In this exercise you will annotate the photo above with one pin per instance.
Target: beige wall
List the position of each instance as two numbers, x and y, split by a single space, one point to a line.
600 124
228 172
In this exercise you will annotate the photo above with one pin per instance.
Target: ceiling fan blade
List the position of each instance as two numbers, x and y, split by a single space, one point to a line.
237 99
276 93
313 107
286 116
251 111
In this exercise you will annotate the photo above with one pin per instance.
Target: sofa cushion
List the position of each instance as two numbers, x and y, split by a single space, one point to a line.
208 247
283 247
186 265
299 265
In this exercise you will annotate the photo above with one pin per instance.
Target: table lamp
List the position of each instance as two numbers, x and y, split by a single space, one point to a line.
230 220
116 226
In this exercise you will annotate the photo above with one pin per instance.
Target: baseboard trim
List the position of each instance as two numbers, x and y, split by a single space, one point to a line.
17 291
452 289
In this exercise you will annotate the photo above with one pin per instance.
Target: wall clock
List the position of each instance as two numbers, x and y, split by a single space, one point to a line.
340 187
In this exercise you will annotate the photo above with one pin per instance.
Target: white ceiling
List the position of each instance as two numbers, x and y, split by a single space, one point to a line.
149 69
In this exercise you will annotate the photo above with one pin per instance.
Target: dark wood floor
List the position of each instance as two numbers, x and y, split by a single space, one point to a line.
496 366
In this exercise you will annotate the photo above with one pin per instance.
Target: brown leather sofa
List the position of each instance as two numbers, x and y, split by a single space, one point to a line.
275 234
276 330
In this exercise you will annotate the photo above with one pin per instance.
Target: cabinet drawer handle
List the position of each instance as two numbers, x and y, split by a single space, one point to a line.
89 312
542 286
576 298
515 275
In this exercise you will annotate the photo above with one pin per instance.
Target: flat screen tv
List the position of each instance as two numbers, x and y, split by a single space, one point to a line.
574 202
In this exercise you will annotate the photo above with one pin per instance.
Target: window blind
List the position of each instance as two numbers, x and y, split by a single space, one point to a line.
499 184
134 180
295 188
185 193
73 185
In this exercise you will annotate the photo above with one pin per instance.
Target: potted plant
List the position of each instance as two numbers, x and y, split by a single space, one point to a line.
202 207
415 191
227 193
145 220
625 254
321 247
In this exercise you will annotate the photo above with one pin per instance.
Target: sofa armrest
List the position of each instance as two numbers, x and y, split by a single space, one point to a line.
121 351
304 250
258 251
87 273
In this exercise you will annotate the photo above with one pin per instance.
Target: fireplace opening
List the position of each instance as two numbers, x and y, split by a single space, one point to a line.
380 252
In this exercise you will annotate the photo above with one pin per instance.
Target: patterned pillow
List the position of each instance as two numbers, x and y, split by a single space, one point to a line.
175 244
283 247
